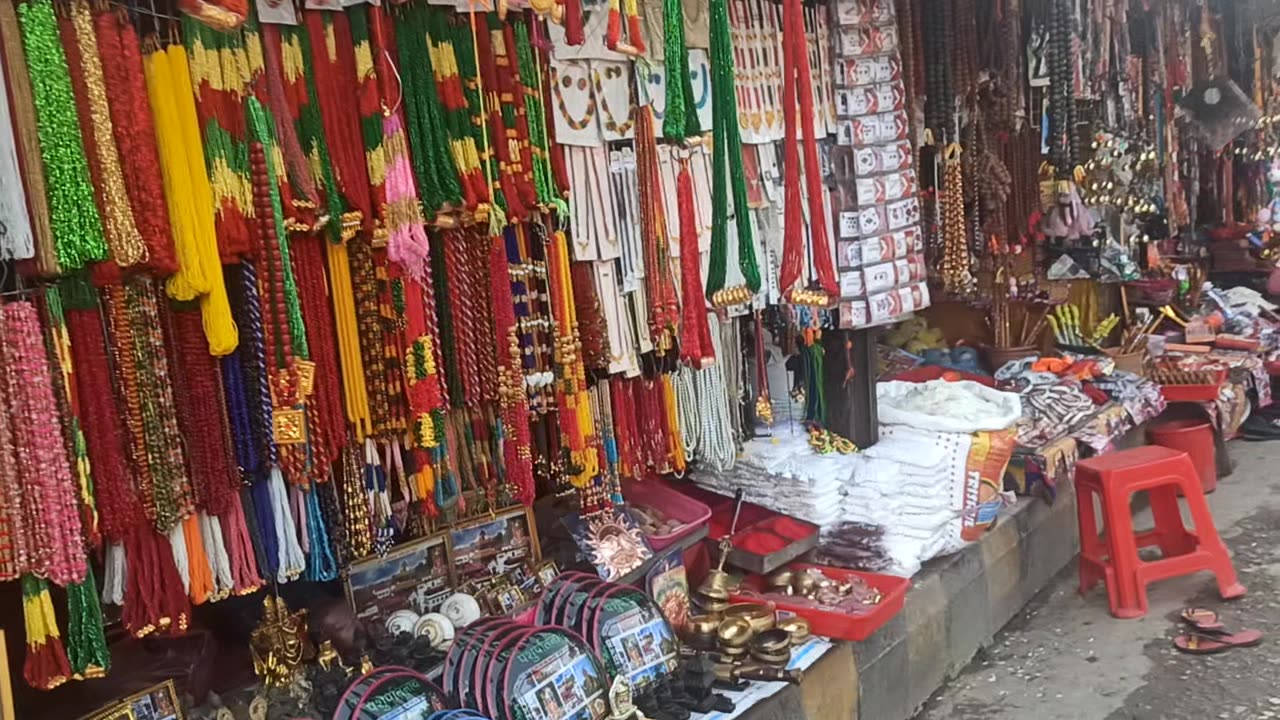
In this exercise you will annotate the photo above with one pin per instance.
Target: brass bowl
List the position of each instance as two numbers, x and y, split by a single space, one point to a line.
781 579
776 659
796 627
761 616
733 652
704 625
734 632
804 584
712 606
771 642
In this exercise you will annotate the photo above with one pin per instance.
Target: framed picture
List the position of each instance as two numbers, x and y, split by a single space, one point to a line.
547 572
411 577
159 702
494 547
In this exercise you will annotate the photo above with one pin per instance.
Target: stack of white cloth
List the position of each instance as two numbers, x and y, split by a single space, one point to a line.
915 481
785 475
911 483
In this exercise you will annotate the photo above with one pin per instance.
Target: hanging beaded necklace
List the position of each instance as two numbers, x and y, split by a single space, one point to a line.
680 121
15 552
134 134
74 221
424 113
336 83
455 112
57 347
221 72
513 402
119 228
54 541
369 104
957 273
170 498
189 196
796 71
26 137
515 117
727 175
664 312
534 108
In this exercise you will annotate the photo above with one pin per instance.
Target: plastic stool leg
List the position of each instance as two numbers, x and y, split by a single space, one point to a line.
1173 536
1131 593
1090 545
1223 570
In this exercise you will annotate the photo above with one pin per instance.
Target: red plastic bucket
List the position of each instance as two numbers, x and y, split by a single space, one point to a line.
1195 438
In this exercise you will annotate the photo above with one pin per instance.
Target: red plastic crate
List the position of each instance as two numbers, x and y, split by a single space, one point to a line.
893 591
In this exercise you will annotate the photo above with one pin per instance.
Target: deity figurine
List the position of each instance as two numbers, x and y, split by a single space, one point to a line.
621 705
279 644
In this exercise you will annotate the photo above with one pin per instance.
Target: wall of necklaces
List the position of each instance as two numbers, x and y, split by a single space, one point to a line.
284 288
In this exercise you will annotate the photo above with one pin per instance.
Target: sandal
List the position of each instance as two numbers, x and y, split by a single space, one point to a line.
1211 643
1202 619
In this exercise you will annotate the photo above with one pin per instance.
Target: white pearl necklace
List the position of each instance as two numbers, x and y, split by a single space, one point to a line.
717 447
684 384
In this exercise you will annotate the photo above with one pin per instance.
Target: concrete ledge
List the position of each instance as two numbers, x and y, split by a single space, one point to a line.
956 606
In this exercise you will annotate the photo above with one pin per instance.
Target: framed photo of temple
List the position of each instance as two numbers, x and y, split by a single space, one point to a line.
485 550
159 702
411 577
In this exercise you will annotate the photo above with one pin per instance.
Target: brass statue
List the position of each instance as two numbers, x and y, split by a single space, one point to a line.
279 644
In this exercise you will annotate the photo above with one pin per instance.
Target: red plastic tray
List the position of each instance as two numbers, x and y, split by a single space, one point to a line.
893 591
659 496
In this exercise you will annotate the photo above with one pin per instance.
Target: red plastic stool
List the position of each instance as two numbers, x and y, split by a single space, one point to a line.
1195 438
1113 555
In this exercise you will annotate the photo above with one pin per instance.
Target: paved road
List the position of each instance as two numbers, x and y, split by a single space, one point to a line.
1065 657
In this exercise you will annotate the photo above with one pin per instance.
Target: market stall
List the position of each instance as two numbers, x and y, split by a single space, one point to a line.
571 358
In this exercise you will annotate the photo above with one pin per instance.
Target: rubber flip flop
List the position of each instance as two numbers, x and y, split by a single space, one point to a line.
1202 619
1204 644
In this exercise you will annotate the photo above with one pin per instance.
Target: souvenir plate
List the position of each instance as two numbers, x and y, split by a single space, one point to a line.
478 689
553 674
489 692
460 654
571 599
579 605
390 692
632 637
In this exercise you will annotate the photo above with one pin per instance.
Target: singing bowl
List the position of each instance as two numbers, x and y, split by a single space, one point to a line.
734 632
796 627
759 615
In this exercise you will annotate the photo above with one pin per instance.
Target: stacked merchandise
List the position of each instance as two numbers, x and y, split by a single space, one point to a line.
881 248
933 482
785 475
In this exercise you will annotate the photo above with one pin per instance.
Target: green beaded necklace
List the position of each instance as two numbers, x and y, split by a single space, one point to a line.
424 115
679 122
727 144
73 214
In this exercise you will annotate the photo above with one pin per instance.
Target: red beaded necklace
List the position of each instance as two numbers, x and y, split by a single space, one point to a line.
796 72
